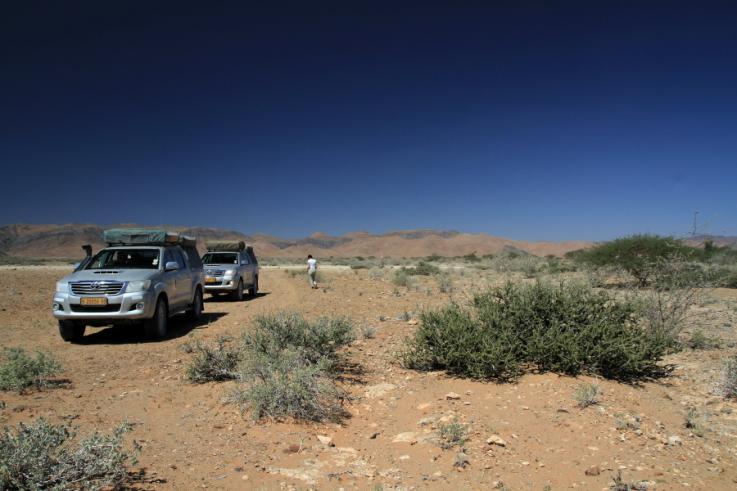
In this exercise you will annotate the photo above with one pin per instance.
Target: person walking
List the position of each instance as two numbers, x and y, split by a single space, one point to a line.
312 270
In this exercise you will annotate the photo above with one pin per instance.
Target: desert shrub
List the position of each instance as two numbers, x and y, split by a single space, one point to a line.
556 265
368 332
623 422
672 294
376 273
213 363
700 341
636 254
422 269
587 395
694 422
402 278
562 328
445 283
619 484
730 379
471 258
453 434
19 370
45 456
319 339
288 385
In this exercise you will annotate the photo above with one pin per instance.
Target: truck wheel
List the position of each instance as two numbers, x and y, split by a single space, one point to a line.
254 288
71 331
155 327
238 292
195 313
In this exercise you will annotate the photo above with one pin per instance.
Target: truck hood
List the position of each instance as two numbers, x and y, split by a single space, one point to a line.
112 275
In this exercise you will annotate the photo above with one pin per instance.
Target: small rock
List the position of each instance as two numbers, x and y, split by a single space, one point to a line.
373 435
424 405
496 440
461 460
452 396
594 470
674 440
413 322
404 457
326 440
244 477
406 437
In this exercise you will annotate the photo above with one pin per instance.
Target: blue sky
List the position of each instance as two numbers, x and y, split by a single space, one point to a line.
530 120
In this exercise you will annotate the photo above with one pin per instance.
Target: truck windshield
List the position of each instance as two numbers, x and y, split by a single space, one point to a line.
220 258
125 259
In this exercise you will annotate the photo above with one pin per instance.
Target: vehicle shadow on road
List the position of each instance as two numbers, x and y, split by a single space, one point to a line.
178 326
226 299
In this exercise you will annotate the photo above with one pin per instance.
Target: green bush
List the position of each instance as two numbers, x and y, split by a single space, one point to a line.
20 370
453 434
320 339
44 456
587 395
289 367
287 384
636 254
213 363
566 328
445 283
422 269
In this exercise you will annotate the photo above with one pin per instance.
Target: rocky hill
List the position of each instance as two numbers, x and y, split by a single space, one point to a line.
64 241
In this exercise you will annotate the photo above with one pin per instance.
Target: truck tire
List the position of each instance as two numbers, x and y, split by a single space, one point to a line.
71 331
254 288
156 326
238 292
195 312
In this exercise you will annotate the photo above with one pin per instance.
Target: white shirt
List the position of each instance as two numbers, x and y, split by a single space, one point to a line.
312 264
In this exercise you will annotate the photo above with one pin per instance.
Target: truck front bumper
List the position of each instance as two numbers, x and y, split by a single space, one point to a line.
220 284
126 306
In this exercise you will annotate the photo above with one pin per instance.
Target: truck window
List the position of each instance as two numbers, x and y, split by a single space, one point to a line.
179 258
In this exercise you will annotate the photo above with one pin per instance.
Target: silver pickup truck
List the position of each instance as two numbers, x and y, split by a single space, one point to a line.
142 276
230 267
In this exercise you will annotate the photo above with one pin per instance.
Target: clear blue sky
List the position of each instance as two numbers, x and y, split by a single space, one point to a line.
531 120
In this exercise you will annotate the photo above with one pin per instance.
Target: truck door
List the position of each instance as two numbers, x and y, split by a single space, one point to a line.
247 269
184 279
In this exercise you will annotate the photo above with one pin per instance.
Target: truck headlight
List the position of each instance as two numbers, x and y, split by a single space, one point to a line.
137 286
62 287
229 272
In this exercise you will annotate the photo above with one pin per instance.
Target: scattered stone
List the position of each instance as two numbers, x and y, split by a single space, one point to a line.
461 461
378 390
496 440
452 396
244 477
424 405
413 322
426 421
594 470
406 437
373 435
326 440
674 440
404 457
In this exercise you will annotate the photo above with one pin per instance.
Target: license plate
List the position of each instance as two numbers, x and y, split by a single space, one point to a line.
211 280
93 301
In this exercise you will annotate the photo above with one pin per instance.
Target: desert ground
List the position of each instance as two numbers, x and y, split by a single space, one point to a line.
192 438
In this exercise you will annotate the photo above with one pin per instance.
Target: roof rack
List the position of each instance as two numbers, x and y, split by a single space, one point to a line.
143 236
226 246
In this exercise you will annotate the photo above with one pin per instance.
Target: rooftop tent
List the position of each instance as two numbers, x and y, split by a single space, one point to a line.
225 245
142 236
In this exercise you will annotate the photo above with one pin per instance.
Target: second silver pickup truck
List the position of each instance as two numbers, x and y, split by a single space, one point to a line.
230 267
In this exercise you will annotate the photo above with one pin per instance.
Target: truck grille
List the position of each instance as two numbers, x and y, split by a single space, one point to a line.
97 287
88 309
214 272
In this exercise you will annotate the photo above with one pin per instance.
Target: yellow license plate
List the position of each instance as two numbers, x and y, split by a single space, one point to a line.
211 280
93 301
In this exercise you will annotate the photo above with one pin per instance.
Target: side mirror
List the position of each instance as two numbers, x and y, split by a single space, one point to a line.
171 266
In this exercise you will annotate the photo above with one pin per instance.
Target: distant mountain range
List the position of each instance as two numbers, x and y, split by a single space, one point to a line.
64 241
